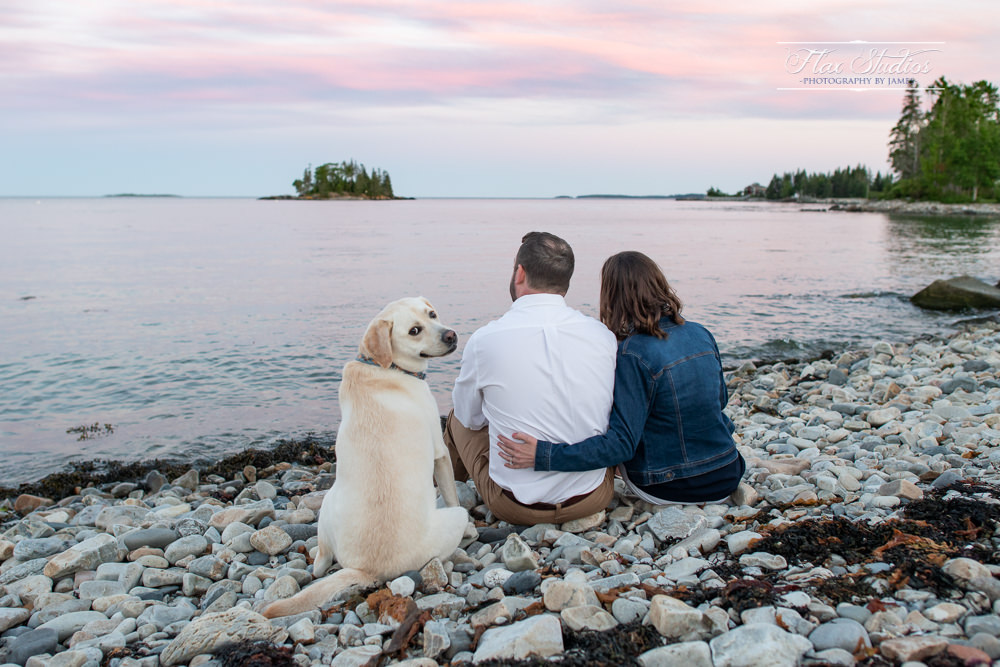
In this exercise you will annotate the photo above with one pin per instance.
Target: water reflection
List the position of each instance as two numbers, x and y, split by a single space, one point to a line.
923 249
951 235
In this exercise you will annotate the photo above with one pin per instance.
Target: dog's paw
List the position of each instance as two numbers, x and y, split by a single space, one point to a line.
470 535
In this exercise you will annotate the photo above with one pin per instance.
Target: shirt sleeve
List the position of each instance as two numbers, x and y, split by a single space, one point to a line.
629 412
467 396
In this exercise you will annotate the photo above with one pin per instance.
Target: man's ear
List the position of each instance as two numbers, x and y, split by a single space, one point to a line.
377 342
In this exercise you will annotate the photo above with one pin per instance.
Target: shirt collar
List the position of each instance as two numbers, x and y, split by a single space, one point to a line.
529 300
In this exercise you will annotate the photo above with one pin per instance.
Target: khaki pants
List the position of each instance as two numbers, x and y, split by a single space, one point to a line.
470 457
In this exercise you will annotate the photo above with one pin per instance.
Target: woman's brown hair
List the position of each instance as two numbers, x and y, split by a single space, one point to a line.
635 295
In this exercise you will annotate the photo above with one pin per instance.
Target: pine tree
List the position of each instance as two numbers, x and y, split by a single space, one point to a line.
904 140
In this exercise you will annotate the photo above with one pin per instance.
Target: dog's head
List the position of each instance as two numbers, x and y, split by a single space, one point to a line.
407 333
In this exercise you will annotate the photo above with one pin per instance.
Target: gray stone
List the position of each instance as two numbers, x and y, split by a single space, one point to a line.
192 545
947 478
837 377
22 570
842 633
834 657
625 579
120 515
441 604
538 636
33 642
522 582
626 610
154 481
674 523
39 548
188 480
11 617
988 644
956 294
436 638
66 624
86 555
158 538
989 624
362 656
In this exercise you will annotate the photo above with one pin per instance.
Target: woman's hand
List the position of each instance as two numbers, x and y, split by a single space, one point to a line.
519 452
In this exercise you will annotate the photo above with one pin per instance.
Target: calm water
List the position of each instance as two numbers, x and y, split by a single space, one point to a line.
198 327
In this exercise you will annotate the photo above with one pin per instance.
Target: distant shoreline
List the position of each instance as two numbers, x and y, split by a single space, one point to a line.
899 206
132 194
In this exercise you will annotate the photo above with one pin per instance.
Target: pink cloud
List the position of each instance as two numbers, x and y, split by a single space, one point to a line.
690 58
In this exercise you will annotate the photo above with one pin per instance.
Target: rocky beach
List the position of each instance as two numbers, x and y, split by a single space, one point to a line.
865 534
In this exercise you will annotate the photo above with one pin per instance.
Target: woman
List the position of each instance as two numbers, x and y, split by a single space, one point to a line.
667 433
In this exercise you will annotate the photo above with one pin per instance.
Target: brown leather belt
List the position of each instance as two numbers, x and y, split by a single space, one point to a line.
546 506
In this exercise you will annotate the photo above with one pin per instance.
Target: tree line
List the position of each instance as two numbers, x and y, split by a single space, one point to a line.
949 152
345 178
854 182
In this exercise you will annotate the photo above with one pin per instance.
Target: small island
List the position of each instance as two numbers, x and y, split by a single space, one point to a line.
344 180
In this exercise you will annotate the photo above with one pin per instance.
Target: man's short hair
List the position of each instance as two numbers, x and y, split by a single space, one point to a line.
547 260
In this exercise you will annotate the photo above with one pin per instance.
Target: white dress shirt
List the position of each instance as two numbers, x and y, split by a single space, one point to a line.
544 369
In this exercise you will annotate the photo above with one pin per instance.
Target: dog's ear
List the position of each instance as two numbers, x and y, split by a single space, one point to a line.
377 342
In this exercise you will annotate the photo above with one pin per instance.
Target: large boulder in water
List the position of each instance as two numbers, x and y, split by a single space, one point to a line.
957 294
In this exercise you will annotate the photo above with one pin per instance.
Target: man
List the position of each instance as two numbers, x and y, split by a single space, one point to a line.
545 369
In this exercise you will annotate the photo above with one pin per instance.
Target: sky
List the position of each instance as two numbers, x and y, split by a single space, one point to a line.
538 98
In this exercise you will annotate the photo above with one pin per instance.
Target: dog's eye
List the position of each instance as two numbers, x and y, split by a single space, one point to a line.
432 315
415 331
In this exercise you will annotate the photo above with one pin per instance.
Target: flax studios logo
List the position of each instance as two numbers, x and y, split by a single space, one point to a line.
857 65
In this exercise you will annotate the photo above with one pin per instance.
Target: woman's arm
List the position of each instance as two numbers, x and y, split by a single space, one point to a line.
632 401
724 391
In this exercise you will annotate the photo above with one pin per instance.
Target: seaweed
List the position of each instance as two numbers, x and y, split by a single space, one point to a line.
591 648
255 654
81 474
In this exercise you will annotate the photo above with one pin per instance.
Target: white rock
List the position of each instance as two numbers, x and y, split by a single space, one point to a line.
539 636
517 555
688 654
678 621
560 594
741 541
588 617
208 632
765 560
758 645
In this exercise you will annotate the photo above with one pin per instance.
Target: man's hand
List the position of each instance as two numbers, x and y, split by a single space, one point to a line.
519 452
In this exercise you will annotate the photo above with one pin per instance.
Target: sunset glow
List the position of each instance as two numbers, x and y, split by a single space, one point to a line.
453 99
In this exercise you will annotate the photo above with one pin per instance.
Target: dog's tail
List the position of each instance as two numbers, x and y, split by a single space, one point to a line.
318 593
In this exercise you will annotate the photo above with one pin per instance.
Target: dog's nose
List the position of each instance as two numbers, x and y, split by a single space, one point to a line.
450 337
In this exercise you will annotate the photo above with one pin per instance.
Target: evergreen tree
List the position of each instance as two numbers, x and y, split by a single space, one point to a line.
904 140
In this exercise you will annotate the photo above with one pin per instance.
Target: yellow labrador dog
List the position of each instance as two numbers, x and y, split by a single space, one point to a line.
379 519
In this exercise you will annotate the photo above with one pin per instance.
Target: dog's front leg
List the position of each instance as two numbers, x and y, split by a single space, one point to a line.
444 475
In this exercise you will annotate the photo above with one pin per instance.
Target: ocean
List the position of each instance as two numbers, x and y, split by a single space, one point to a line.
199 327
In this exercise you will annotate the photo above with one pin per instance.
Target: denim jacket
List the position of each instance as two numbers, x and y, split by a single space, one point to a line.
667 421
